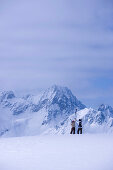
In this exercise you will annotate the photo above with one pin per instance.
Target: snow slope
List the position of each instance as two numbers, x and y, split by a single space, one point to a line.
94 121
75 152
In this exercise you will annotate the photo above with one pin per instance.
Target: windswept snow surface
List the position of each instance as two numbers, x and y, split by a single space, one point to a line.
65 152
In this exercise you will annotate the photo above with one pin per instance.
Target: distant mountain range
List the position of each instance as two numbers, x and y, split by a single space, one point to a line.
50 113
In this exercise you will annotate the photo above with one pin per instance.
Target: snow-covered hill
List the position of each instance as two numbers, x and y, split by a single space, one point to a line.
49 112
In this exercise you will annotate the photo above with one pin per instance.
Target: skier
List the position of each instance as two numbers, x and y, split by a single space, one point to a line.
79 131
72 127
73 124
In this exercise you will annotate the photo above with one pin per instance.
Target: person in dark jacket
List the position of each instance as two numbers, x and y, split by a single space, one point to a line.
79 131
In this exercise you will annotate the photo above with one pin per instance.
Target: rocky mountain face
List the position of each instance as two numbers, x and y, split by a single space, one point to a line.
49 112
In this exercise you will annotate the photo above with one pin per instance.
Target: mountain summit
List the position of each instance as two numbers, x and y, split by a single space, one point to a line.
106 109
6 95
63 98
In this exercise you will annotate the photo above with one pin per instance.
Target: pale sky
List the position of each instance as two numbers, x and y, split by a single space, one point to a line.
64 42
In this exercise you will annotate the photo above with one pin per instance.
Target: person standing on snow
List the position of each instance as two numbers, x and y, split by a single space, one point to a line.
79 131
72 127
73 124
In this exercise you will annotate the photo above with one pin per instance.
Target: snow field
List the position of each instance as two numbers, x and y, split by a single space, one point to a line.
60 152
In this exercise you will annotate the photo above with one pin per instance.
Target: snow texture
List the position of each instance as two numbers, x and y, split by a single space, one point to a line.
80 152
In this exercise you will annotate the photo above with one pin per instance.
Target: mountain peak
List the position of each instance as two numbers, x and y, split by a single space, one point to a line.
7 95
104 107
63 97
57 87
60 89
106 110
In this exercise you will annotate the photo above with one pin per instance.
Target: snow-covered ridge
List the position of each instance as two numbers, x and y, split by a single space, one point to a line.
49 112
